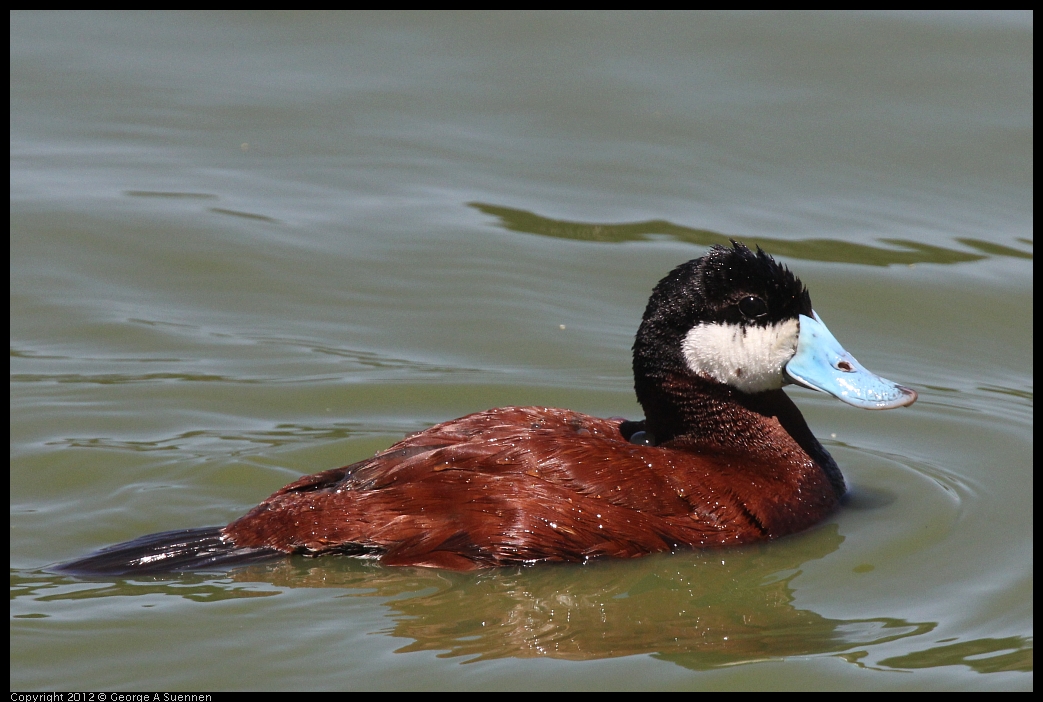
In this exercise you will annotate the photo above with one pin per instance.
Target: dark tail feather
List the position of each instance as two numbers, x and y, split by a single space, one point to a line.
167 552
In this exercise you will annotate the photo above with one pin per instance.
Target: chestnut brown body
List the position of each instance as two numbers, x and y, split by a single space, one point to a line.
529 484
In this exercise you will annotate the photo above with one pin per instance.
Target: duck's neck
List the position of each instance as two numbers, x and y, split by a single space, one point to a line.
688 410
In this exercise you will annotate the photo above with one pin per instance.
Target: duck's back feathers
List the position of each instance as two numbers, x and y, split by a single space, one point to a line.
526 484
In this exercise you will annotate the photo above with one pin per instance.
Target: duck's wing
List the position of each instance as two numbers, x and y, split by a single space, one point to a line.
512 485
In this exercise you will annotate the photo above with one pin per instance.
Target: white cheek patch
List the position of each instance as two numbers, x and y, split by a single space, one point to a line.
749 359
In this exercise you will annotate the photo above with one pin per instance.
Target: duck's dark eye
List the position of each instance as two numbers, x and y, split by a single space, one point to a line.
753 307
642 438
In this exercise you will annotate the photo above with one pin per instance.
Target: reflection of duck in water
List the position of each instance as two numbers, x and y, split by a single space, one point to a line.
706 610
722 457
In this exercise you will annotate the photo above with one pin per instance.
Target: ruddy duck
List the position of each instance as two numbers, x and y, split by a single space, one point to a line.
723 456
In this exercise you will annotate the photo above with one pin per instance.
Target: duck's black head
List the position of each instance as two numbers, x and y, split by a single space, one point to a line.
735 323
